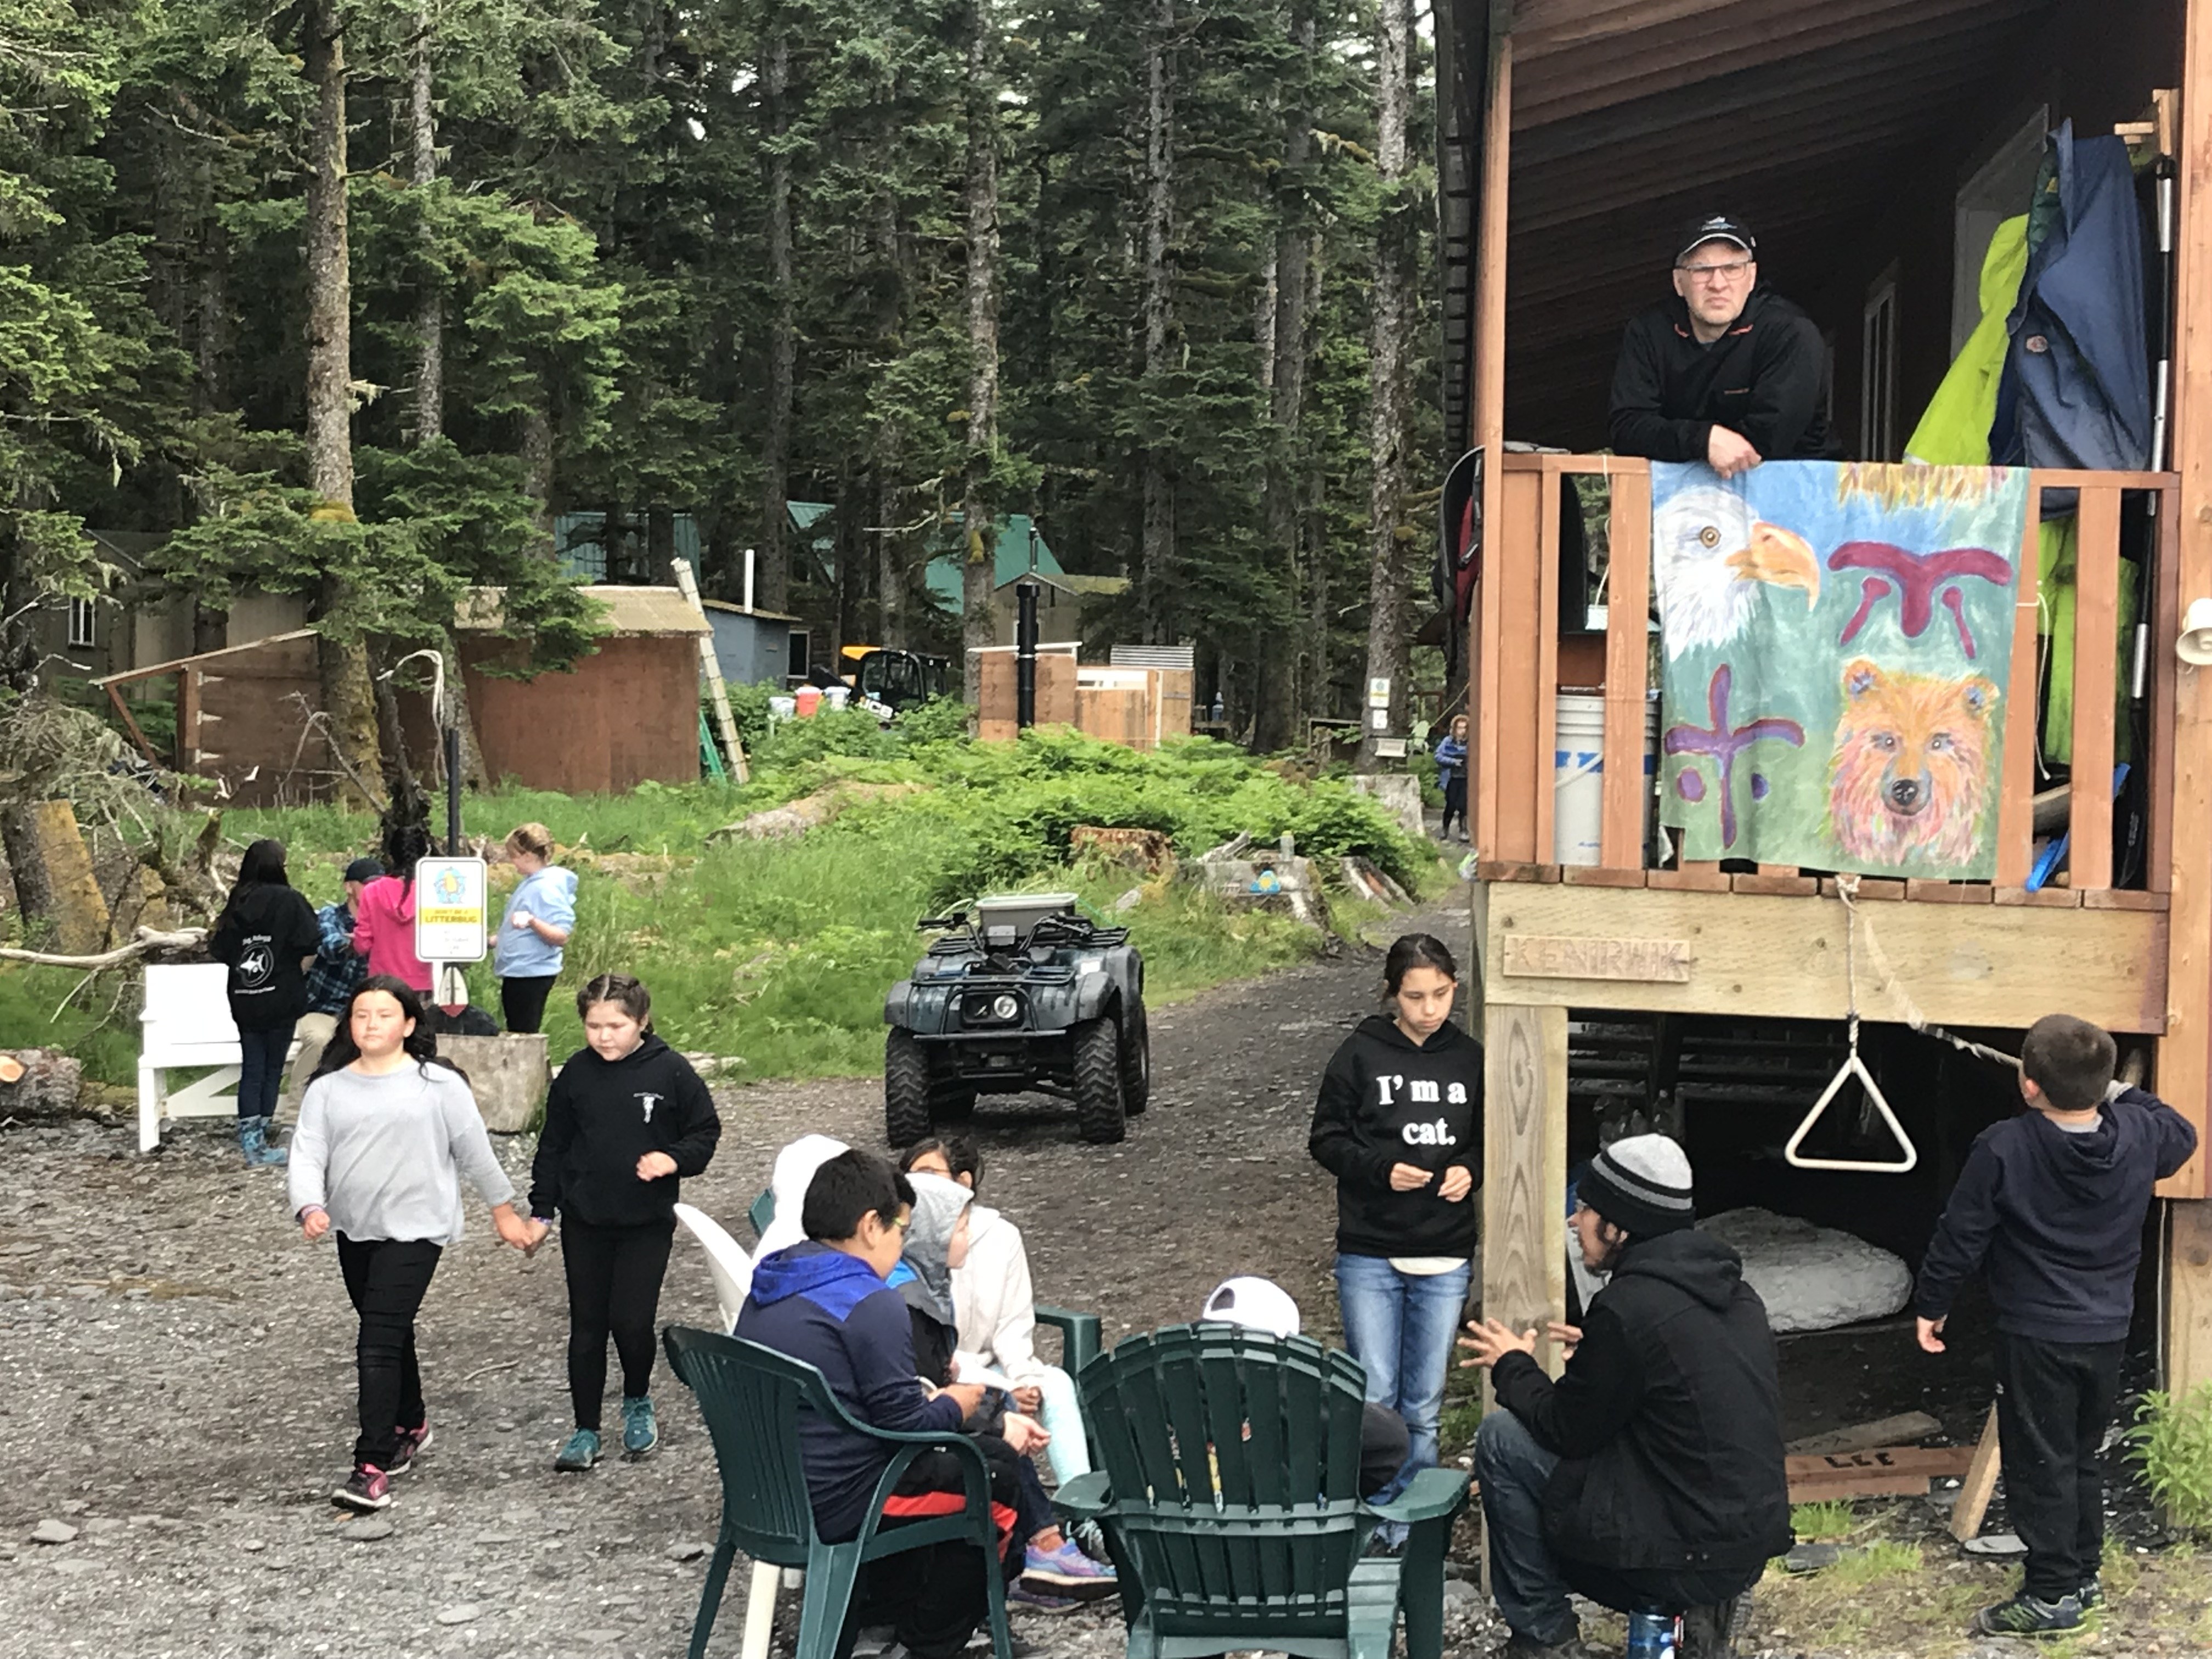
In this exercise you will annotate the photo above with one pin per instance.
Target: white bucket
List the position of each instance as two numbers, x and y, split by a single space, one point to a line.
835 697
1578 774
782 708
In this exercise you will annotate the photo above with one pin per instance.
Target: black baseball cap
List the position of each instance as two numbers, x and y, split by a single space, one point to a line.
363 869
1716 227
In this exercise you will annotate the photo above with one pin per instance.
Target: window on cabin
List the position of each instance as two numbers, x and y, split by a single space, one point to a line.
796 664
82 634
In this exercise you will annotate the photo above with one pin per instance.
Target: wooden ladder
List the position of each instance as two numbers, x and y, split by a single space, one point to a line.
718 694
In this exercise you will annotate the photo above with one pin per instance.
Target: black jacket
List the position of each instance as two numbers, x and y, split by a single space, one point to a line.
1667 1420
602 1116
2058 1218
1766 378
1385 1101
263 935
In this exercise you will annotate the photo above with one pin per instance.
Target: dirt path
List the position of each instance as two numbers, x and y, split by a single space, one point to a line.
176 1378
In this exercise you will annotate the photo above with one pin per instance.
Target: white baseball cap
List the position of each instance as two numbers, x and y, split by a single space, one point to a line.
1258 1304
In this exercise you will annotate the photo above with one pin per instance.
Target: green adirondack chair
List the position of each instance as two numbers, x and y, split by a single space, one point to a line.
751 1397
1229 1498
1080 1336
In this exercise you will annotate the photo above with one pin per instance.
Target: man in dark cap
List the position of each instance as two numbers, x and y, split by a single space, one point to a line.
1726 371
337 971
1650 1477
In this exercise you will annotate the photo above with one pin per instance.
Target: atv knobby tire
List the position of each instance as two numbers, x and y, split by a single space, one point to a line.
1099 1113
906 1089
1136 1060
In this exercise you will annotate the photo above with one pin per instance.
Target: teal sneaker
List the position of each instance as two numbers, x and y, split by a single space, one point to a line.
581 1452
641 1429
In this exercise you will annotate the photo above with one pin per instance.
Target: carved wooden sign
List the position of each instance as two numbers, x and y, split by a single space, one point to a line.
1543 956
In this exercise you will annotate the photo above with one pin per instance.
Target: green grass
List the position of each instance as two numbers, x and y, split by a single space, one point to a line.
1821 1523
1879 1561
778 953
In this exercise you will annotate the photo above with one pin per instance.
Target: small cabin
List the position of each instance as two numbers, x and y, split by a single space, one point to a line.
1877 150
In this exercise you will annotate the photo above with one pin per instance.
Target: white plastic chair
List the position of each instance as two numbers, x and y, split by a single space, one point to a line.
733 1271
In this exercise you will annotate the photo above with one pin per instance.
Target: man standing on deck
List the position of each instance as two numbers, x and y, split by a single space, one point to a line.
1726 371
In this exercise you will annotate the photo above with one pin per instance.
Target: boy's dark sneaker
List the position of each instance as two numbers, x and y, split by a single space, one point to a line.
368 1488
2090 1595
2029 1615
412 1444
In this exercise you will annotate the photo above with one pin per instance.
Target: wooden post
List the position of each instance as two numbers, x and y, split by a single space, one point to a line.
1489 434
2185 1053
1524 1170
1979 1485
1627 669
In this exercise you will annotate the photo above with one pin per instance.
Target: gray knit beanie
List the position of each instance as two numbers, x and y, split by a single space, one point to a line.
1641 1183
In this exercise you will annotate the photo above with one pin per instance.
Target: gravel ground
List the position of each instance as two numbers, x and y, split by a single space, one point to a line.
176 1366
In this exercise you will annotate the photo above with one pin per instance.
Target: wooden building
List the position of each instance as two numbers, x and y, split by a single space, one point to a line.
1871 146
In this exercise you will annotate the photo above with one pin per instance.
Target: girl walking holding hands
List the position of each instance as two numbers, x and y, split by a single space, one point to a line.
386 1130
541 913
626 1121
1399 1124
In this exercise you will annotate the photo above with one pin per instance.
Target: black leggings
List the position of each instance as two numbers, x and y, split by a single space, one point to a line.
614 1288
522 1002
1455 805
386 1279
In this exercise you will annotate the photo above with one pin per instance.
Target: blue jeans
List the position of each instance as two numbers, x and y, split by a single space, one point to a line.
1399 1327
261 1069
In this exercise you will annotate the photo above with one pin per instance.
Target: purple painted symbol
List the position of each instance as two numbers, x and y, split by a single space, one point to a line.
1721 744
1919 580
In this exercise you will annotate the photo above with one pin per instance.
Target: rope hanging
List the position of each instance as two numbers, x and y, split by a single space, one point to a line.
1853 1067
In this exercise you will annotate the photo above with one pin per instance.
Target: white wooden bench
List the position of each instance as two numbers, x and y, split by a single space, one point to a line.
186 1022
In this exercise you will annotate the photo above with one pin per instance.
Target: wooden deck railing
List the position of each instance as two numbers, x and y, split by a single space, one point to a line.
1520 672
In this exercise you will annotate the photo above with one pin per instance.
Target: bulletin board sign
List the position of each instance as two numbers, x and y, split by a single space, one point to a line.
451 897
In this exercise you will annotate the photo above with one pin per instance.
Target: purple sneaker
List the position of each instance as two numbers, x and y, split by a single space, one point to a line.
1068 1571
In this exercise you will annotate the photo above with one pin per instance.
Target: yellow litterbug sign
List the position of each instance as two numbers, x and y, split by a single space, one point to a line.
451 896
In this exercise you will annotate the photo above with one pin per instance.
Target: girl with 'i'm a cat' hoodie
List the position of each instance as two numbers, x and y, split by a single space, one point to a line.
1399 1124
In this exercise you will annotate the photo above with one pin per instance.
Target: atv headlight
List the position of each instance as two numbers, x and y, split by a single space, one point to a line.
988 1008
1006 1007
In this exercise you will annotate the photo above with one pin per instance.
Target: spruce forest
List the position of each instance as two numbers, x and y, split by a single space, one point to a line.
353 299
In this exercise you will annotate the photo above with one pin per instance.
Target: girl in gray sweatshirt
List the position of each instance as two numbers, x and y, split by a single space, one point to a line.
386 1132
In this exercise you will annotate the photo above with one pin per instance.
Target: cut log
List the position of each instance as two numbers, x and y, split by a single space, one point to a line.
53 873
45 1084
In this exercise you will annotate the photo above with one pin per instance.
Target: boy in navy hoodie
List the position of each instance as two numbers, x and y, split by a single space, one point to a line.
825 1302
2050 1206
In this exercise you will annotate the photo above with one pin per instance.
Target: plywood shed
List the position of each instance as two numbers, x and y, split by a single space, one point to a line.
1055 691
243 718
626 715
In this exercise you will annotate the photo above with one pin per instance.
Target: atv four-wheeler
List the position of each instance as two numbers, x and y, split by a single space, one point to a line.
1023 993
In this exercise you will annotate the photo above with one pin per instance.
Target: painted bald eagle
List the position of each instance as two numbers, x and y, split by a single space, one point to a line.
1712 559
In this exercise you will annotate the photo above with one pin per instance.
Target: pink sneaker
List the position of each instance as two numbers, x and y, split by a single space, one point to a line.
368 1488
413 1442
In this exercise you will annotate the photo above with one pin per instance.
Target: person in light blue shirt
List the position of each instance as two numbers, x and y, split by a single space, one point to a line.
533 933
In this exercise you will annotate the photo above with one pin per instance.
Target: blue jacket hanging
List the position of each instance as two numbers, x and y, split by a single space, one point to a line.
2075 390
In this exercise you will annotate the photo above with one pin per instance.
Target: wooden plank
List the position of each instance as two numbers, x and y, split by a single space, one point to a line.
1522 771
1907 1428
2016 790
2049 898
1515 870
188 719
2184 1055
1775 884
1879 889
1978 1485
1524 1225
1492 241
2166 627
2060 478
2123 898
1545 707
2189 1296
2096 621
1627 664
1963 965
1947 892
1599 875
1541 955
1700 876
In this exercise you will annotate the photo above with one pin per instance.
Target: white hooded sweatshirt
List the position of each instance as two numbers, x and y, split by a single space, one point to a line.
993 1298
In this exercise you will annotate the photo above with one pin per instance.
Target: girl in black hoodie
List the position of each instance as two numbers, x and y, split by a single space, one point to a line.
627 1119
1399 1124
266 935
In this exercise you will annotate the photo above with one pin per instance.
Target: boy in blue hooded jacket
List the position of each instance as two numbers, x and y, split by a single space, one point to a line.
825 1302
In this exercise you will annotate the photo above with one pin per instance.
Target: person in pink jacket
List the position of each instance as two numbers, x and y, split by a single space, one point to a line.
384 919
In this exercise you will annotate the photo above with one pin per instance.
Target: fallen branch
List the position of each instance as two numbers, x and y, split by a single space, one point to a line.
148 941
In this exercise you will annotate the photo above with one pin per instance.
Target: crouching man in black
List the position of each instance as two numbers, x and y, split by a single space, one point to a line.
1649 1478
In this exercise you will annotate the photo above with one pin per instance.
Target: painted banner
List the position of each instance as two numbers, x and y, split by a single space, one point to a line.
1838 641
